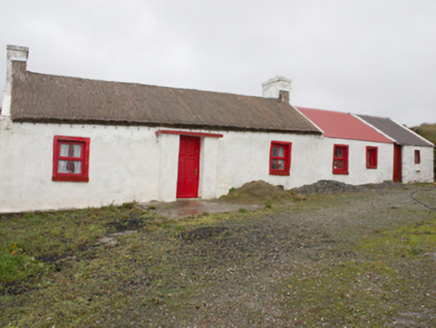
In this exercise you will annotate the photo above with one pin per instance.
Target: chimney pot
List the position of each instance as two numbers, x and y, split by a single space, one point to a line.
284 95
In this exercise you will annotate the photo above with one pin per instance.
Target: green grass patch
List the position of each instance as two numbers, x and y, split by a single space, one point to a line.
16 265
350 292
410 240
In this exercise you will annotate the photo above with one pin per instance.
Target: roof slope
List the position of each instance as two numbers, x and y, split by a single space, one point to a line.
342 125
50 98
400 134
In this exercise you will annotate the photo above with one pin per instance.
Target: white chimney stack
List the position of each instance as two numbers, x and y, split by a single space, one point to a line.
272 88
14 53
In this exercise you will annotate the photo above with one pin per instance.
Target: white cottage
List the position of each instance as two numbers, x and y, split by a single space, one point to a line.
352 152
68 142
72 143
413 155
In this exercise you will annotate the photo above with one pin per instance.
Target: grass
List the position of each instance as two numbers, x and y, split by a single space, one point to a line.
16 265
310 264
370 288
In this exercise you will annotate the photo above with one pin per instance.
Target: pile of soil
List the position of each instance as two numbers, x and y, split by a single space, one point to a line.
257 192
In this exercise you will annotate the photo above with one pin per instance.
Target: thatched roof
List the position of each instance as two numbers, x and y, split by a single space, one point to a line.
49 98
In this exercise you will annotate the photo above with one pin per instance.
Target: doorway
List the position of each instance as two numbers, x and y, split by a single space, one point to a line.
189 167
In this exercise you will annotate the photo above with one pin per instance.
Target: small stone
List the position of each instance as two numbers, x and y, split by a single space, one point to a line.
108 240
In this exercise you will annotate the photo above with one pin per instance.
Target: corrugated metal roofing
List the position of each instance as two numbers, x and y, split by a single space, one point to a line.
49 98
342 125
401 135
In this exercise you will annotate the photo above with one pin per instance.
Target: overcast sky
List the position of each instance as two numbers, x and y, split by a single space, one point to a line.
374 57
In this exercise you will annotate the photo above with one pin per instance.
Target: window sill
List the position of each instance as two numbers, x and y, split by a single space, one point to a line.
70 179
279 173
340 172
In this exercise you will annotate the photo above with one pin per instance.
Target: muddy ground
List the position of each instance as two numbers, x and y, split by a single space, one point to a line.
311 262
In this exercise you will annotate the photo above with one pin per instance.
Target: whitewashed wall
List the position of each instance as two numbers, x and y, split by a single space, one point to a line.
123 166
358 173
422 172
133 164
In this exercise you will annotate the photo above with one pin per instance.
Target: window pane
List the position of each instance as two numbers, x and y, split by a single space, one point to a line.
76 167
65 150
336 164
281 164
274 164
275 151
77 151
63 166
341 153
282 152
340 165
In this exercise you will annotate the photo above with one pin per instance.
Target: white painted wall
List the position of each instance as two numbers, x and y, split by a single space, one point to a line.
133 164
124 163
422 172
358 173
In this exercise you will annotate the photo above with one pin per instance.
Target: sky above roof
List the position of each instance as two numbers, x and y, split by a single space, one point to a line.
366 57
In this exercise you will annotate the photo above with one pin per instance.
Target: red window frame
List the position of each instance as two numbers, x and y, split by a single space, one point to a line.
371 157
340 157
417 157
83 176
275 157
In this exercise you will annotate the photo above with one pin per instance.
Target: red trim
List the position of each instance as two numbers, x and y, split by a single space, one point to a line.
371 157
190 134
417 157
84 159
286 158
343 159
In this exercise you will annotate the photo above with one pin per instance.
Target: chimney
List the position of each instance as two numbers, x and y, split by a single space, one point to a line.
14 54
277 87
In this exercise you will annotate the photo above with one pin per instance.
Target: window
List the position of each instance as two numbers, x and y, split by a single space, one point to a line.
70 159
371 157
280 158
417 157
340 159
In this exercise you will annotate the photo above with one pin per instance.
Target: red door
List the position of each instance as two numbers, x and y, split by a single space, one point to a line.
397 164
189 170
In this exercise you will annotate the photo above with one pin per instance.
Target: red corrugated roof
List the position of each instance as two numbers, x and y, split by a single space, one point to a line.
342 125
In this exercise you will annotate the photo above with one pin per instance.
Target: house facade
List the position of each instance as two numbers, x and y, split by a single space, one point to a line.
73 143
68 142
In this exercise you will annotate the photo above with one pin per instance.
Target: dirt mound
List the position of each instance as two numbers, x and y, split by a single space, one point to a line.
257 192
